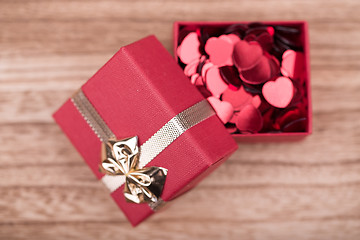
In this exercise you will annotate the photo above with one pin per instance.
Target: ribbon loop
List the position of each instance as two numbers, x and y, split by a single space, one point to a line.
121 157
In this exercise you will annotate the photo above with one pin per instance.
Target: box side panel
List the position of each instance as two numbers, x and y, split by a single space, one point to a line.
80 134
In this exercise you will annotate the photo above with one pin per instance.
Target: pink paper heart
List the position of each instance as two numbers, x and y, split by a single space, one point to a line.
278 93
246 54
214 83
206 67
196 80
233 38
293 64
188 50
223 109
220 50
191 68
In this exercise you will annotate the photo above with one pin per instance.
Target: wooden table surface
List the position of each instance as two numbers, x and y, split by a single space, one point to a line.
291 190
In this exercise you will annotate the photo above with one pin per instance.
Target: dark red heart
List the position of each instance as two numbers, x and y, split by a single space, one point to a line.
246 54
260 73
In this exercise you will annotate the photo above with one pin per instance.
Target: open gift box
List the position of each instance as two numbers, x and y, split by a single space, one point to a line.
144 129
255 75
150 135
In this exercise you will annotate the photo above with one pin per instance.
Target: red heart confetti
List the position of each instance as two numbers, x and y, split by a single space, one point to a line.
239 99
265 40
260 73
246 54
298 125
249 120
252 74
231 128
230 75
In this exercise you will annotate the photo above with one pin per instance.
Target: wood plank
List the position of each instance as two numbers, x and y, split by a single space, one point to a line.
336 229
138 10
264 203
23 101
234 173
47 144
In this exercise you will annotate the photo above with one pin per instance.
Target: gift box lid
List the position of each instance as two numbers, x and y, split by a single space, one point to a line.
137 92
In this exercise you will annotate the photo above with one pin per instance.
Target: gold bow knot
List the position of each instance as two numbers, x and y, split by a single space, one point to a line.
121 157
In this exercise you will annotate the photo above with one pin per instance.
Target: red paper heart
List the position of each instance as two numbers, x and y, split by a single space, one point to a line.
246 54
231 128
299 125
233 117
202 89
260 73
223 109
249 120
274 65
220 50
264 39
188 50
239 99
278 93
287 117
230 75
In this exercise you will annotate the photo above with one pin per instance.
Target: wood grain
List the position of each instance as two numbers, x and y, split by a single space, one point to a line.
288 190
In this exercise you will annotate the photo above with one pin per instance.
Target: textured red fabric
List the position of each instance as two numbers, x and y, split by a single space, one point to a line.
136 93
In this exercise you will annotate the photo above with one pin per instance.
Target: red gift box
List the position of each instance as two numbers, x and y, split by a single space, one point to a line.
136 93
215 28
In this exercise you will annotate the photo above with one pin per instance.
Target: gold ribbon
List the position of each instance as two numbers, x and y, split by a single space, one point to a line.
121 157
121 161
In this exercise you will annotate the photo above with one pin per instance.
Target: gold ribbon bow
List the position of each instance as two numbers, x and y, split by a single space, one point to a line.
121 157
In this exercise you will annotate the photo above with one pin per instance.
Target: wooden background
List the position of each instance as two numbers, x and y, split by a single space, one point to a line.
291 190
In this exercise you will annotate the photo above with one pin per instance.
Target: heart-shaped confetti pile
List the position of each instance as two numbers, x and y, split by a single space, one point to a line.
253 74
